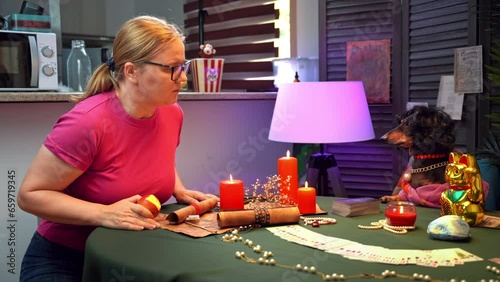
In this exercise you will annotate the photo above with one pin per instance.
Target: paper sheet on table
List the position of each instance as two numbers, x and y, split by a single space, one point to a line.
211 222
205 226
490 221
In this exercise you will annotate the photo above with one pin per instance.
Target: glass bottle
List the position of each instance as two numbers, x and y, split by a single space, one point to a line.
78 66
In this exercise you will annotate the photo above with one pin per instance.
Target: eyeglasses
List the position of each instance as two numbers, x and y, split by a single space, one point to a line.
175 70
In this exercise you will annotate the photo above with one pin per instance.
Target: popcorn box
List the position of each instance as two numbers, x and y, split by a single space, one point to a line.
207 74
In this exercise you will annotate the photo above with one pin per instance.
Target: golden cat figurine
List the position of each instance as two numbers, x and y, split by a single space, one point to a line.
465 197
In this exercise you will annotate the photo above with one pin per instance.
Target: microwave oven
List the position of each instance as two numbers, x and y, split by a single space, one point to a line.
28 61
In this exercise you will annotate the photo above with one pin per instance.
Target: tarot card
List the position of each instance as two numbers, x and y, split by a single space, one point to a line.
332 245
465 256
495 260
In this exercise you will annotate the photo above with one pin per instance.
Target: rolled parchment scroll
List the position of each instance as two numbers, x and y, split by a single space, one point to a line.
180 215
261 216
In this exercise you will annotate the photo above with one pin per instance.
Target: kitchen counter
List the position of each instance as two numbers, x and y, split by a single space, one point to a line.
22 97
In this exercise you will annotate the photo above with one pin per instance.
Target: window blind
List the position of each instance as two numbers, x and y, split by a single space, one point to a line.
367 168
243 34
435 30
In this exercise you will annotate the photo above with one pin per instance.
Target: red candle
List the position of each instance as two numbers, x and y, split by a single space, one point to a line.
306 199
400 213
288 173
232 194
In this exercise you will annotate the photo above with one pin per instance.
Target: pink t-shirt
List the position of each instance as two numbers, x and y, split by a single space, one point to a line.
121 156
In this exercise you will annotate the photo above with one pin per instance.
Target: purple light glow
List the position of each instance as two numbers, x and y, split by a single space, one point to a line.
321 112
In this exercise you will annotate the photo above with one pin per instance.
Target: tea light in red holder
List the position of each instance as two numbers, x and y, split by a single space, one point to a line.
306 199
400 213
232 194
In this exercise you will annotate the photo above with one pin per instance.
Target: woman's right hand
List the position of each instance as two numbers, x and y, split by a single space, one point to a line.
127 214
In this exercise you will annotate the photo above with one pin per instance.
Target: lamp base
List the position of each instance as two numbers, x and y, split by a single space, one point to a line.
321 168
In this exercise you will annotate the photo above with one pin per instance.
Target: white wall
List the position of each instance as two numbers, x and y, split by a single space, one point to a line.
227 137
23 128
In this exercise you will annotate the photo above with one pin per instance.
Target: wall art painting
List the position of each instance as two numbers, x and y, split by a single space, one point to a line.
370 61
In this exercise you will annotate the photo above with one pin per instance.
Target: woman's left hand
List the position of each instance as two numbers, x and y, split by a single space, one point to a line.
191 196
185 196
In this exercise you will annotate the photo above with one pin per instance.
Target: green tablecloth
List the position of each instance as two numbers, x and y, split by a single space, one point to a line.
161 255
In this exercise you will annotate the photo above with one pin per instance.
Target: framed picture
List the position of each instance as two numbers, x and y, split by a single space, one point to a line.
468 69
370 61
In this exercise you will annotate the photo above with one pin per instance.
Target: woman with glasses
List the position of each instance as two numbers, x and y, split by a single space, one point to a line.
117 144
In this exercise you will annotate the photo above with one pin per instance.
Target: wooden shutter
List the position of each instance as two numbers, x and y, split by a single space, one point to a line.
424 34
367 168
435 29
243 33
495 89
488 12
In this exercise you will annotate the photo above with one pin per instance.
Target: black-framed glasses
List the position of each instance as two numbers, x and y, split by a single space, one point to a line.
175 70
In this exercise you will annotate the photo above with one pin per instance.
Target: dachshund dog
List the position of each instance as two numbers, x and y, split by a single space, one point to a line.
429 136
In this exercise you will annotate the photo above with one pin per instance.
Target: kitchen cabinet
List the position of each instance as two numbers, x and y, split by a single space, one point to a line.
104 18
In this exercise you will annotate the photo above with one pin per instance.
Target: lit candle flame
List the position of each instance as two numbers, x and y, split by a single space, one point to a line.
231 177
305 184
287 153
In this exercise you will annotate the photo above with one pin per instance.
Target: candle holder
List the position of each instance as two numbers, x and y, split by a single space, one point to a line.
400 213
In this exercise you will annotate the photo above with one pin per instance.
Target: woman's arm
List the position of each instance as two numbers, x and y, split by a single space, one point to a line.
41 193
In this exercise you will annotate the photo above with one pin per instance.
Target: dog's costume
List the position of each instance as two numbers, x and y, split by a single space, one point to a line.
426 195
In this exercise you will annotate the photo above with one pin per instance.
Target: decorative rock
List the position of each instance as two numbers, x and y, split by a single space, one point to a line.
449 228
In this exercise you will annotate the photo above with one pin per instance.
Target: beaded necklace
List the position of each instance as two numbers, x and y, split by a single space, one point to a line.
382 224
267 258
317 221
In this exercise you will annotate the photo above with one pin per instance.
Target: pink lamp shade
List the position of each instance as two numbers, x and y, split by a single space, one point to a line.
321 112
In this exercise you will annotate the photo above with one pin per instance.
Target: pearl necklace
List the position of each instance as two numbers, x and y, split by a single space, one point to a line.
382 224
317 221
267 258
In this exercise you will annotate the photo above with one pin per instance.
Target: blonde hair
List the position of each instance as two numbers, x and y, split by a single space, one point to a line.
138 39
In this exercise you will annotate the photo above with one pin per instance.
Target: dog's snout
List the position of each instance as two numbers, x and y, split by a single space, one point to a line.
384 137
397 137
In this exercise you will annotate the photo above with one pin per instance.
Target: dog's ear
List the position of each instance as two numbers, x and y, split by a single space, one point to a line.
446 132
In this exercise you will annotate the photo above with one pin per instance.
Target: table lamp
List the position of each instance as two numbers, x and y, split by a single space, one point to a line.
322 112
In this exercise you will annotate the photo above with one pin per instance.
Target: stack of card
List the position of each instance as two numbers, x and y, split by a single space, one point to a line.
356 206
356 251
